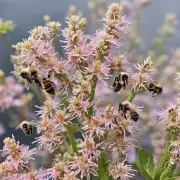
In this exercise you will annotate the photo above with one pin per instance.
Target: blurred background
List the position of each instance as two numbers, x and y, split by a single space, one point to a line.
154 31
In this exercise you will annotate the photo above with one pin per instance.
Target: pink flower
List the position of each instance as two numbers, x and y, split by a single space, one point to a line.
98 69
121 171
108 115
89 147
94 126
11 94
83 166
77 106
17 155
51 135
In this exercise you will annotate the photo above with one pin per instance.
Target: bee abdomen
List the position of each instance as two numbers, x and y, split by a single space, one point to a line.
47 85
50 91
135 116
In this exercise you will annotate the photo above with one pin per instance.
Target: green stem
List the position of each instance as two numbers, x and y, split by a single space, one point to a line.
90 110
131 97
93 87
36 91
72 139
6 38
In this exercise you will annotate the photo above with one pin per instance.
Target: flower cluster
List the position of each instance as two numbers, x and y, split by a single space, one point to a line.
36 51
77 123
17 162
171 117
11 93
6 26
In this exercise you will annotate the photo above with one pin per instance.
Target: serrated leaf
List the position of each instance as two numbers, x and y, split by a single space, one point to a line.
145 163
102 168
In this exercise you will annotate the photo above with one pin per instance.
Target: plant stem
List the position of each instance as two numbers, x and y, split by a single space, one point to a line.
90 110
131 97
93 87
72 139
6 38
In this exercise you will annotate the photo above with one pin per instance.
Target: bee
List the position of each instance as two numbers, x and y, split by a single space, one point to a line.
30 75
125 108
155 89
26 127
48 86
120 81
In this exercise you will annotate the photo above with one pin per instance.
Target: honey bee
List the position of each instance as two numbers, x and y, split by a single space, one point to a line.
126 107
155 89
26 127
120 81
48 86
30 74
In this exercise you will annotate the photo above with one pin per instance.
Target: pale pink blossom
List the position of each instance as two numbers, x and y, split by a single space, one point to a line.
83 166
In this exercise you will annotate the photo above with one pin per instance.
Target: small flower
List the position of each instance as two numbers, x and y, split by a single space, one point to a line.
115 20
170 116
93 126
83 166
51 135
108 116
62 117
18 155
125 127
40 32
49 108
121 171
73 34
31 175
104 42
140 82
98 69
146 66
120 144
82 90
6 26
119 64
89 147
77 106
56 172
54 27
11 93
6 169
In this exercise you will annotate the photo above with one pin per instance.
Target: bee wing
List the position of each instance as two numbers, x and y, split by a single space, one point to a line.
19 126
33 122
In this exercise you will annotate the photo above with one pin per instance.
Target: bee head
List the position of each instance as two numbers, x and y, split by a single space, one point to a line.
44 80
33 69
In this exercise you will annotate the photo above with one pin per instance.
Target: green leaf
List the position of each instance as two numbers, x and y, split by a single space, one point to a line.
168 172
102 168
165 158
145 163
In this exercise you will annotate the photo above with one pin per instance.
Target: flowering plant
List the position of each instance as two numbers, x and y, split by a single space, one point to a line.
90 134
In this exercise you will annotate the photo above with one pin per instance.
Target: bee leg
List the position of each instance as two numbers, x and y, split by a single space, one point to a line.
38 82
29 80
